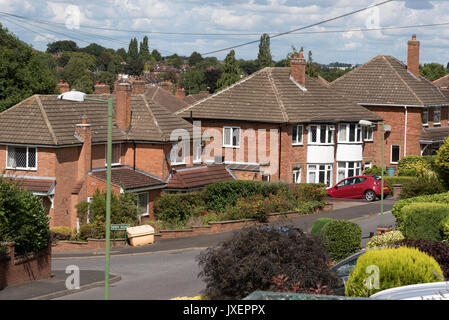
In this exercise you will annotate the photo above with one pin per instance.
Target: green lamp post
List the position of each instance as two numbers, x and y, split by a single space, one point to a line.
79 97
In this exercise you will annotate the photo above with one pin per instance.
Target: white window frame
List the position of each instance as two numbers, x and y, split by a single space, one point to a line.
231 145
174 150
146 213
357 166
330 130
439 115
197 151
345 139
27 158
298 140
391 153
296 172
367 165
89 201
267 176
367 130
112 154
425 111
327 168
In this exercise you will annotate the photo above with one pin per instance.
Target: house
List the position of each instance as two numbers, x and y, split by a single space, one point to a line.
410 105
280 124
57 148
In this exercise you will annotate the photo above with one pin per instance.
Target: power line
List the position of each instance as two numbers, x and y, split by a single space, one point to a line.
302 28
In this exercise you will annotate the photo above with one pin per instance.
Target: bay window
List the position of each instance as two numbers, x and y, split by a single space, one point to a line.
319 173
24 158
349 132
367 133
321 134
348 169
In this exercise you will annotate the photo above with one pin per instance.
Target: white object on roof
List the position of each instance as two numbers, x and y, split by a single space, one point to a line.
73 96
423 291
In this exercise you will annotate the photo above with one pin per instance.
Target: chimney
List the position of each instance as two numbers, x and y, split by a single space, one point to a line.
298 69
413 56
63 87
83 131
101 88
138 87
180 93
123 106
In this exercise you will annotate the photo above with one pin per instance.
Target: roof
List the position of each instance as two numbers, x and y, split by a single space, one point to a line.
129 178
271 96
442 82
192 98
164 98
386 80
47 120
197 177
37 184
436 134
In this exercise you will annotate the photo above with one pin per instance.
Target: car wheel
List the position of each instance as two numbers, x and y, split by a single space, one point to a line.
370 195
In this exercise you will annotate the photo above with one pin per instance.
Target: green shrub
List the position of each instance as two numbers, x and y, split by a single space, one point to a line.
423 186
422 220
397 207
60 233
343 238
396 267
179 207
319 224
442 163
417 166
304 192
385 239
444 229
22 218
255 255
95 230
374 170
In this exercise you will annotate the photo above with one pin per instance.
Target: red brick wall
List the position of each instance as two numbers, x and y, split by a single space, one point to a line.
444 117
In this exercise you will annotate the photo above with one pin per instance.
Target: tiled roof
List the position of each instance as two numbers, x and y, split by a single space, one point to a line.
34 185
47 120
197 177
271 96
164 98
442 82
436 134
386 80
192 98
129 178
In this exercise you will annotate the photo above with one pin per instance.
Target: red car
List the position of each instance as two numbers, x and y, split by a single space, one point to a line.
359 187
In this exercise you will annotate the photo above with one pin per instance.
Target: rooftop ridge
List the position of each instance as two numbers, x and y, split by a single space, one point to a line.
152 114
356 69
47 122
277 95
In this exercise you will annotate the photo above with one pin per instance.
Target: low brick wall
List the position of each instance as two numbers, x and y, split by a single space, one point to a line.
213 227
397 190
18 270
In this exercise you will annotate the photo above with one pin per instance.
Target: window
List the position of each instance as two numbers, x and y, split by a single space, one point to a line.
142 205
297 175
348 169
319 173
231 137
115 156
368 165
437 115
197 151
21 158
297 131
89 201
367 133
395 153
425 116
349 132
265 177
177 154
321 134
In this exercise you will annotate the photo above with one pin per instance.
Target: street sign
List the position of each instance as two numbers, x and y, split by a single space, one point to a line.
119 226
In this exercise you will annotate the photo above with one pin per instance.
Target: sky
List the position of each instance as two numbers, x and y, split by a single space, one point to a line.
68 20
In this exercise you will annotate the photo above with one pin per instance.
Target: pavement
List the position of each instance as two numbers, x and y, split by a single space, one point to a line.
344 209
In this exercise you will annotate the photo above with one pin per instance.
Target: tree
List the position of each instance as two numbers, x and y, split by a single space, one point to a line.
264 58
312 68
122 53
175 61
231 72
248 66
432 71
195 58
77 67
442 163
106 77
135 64
23 72
83 84
156 55
144 52
93 49
192 81
62 46
211 76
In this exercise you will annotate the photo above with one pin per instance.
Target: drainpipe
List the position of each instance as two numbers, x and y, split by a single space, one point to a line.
405 132
134 156
280 144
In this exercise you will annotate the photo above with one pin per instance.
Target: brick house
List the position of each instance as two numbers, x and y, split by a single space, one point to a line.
280 124
57 149
410 105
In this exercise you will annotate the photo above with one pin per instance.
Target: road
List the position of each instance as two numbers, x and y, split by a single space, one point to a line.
162 275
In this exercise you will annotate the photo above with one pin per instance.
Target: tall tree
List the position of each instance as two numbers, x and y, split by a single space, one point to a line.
195 58
145 50
156 55
192 81
231 72
23 72
61 46
135 64
264 58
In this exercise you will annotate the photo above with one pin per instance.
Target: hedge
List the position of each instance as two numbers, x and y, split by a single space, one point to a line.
395 267
385 239
319 224
342 238
415 165
397 207
178 207
422 220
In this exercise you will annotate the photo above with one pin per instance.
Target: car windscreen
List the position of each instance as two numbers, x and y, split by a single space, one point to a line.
377 178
